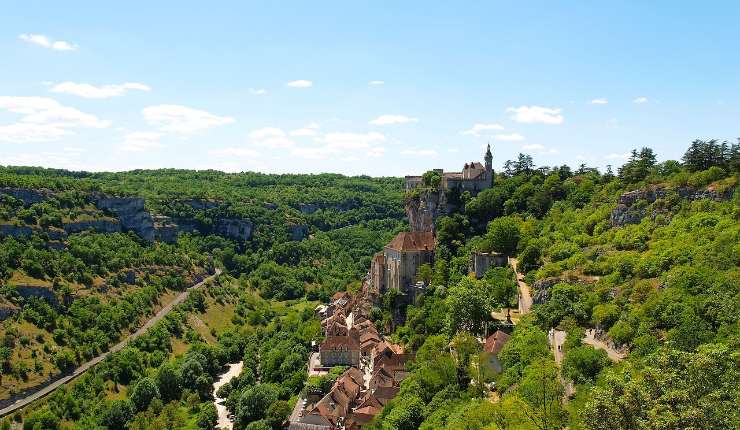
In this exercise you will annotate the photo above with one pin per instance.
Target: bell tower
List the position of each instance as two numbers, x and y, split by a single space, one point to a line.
489 167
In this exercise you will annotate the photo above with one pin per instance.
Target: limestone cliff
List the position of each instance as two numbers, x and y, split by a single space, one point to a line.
423 207
131 213
632 205
27 195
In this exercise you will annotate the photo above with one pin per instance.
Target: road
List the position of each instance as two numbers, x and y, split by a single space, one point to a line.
613 354
525 295
20 403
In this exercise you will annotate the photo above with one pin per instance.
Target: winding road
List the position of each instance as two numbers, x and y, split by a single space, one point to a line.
25 401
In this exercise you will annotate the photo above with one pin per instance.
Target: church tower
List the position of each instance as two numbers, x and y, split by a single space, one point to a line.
489 167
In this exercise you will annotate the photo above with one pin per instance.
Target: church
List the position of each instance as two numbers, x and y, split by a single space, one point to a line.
475 177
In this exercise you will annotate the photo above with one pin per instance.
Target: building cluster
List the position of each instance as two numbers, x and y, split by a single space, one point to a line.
376 368
474 177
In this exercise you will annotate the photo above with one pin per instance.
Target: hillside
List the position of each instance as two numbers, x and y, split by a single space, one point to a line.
633 275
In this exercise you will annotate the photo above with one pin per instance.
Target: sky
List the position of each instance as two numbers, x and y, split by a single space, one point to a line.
375 88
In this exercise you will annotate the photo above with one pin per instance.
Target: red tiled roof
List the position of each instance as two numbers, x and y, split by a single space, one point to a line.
495 342
413 241
334 342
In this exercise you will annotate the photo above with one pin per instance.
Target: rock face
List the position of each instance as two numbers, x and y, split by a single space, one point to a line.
631 208
131 213
26 195
16 231
234 228
7 311
423 210
201 204
46 293
99 225
298 232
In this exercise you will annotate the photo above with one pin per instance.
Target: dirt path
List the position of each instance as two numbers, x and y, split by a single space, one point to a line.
613 354
525 294
22 402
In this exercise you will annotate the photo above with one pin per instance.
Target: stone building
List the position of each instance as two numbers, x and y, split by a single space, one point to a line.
474 177
397 265
339 351
481 261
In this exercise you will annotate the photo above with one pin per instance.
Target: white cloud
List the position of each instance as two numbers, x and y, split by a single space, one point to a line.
393 119
513 137
301 83
234 152
258 91
536 114
452 150
338 143
182 119
41 40
615 156
97 92
480 128
309 130
641 99
420 152
140 141
43 119
599 101
539 149
270 137
376 82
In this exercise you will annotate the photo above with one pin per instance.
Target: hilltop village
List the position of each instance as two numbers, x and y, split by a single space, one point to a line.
376 366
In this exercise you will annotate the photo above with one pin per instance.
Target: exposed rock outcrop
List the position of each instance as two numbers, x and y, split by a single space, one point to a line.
131 213
27 195
7 311
16 231
234 228
27 291
632 205
298 232
99 225
424 208
201 204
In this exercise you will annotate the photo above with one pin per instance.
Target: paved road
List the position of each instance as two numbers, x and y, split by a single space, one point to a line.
20 403
525 295
613 354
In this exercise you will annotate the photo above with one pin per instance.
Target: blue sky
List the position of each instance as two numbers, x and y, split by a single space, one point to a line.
378 88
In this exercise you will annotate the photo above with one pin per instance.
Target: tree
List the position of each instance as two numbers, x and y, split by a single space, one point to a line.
143 393
424 273
43 419
503 235
469 306
583 363
638 167
168 382
207 417
277 413
118 414
541 393
254 402
431 178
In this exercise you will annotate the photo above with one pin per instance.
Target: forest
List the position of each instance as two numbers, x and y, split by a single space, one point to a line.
647 255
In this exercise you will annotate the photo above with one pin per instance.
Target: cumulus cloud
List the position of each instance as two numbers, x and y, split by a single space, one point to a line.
536 114
140 141
599 101
376 82
182 119
480 128
309 130
301 83
43 119
420 152
46 42
270 137
97 92
393 119
513 137
640 100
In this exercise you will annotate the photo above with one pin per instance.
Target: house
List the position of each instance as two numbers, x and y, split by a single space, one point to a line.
339 351
474 177
494 344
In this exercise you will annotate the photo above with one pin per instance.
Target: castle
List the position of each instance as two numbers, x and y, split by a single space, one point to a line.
396 266
473 178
